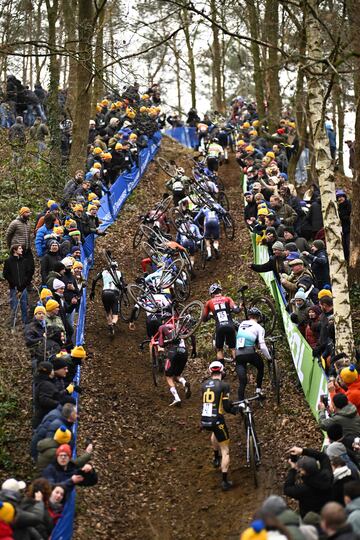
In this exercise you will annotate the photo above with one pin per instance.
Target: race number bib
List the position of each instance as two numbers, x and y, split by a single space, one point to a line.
222 316
240 343
207 409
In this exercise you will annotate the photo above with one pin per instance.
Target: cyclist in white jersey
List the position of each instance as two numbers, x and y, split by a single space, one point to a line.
112 282
250 334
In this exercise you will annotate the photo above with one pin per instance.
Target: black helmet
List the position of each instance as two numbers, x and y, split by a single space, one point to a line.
255 312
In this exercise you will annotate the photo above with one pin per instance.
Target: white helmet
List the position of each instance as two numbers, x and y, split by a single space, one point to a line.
216 367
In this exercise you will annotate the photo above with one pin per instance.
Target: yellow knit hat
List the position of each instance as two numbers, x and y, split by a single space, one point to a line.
324 292
50 202
97 150
245 125
78 352
62 435
270 155
51 305
256 531
39 309
77 264
349 374
7 512
45 293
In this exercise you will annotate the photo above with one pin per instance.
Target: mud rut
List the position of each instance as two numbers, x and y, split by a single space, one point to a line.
156 478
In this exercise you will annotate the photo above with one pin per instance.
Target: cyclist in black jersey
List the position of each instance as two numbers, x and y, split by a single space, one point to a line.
216 400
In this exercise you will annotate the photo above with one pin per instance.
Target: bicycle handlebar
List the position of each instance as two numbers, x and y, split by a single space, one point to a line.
259 397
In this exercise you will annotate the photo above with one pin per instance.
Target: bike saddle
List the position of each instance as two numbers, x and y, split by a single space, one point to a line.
243 288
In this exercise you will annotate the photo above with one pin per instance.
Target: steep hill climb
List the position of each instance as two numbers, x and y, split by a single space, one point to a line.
156 480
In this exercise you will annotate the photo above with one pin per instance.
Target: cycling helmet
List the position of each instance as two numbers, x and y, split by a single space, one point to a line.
214 287
254 312
181 170
114 264
215 139
216 367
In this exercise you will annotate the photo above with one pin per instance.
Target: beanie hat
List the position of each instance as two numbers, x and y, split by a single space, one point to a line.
51 305
23 210
300 295
263 212
289 229
39 309
50 202
340 400
57 284
278 245
78 208
67 262
58 266
335 449
13 485
319 244
270 230
96 165
78 352
256 531
52 242
7 512
311 518
45 293
349 374
296 261
58 230
273 505
54 206
323 293
77 264
270 155
309 532
58 363
45 367
292 256
335 432
63 448
75 248
75 233
291 246
97 150
62 435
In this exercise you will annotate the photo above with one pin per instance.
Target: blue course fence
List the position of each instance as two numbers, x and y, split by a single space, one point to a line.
184 135
111 204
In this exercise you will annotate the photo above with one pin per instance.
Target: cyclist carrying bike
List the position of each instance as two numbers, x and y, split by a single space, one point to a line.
188 235
178 185
216 400
112 283
176 359
154 319
220 307
249 335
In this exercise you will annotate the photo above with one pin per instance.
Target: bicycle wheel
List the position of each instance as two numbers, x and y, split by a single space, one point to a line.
125 306
268 310
223 200
182 287
252 459
229 227
155 366
142 298
138 236
189 320
168 167
172 273
275 379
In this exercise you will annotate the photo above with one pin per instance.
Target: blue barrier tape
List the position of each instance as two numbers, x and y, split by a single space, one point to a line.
111 205
186 136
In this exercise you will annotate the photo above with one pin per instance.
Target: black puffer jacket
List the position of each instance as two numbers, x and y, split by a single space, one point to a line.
312 491
17 272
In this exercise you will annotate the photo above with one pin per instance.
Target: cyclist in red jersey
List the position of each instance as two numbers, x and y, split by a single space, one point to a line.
220 307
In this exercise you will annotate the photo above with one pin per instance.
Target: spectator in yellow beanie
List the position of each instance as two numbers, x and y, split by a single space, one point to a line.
349 384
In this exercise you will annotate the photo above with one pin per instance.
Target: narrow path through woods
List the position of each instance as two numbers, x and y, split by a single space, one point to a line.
156 479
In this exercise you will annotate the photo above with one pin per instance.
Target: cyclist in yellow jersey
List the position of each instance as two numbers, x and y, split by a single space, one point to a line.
216 400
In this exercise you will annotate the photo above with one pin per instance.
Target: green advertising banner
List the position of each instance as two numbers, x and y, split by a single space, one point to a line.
311 375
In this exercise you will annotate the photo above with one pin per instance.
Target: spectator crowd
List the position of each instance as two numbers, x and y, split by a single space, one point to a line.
121 129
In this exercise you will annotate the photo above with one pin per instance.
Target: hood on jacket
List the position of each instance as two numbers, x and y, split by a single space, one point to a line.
353 505
321 480
349 411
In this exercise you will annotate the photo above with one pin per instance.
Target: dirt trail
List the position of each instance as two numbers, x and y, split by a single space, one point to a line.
156 479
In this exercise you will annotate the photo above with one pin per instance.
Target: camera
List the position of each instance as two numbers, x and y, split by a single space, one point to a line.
324 398
294 458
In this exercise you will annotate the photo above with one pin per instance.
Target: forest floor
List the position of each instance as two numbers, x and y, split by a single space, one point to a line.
156 480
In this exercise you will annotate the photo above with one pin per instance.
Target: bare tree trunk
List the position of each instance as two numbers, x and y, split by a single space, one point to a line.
52 7
177 74
190 53
219 105
338 269
98 90
84 87
354 261
69 8
253 17
272 36
339 122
